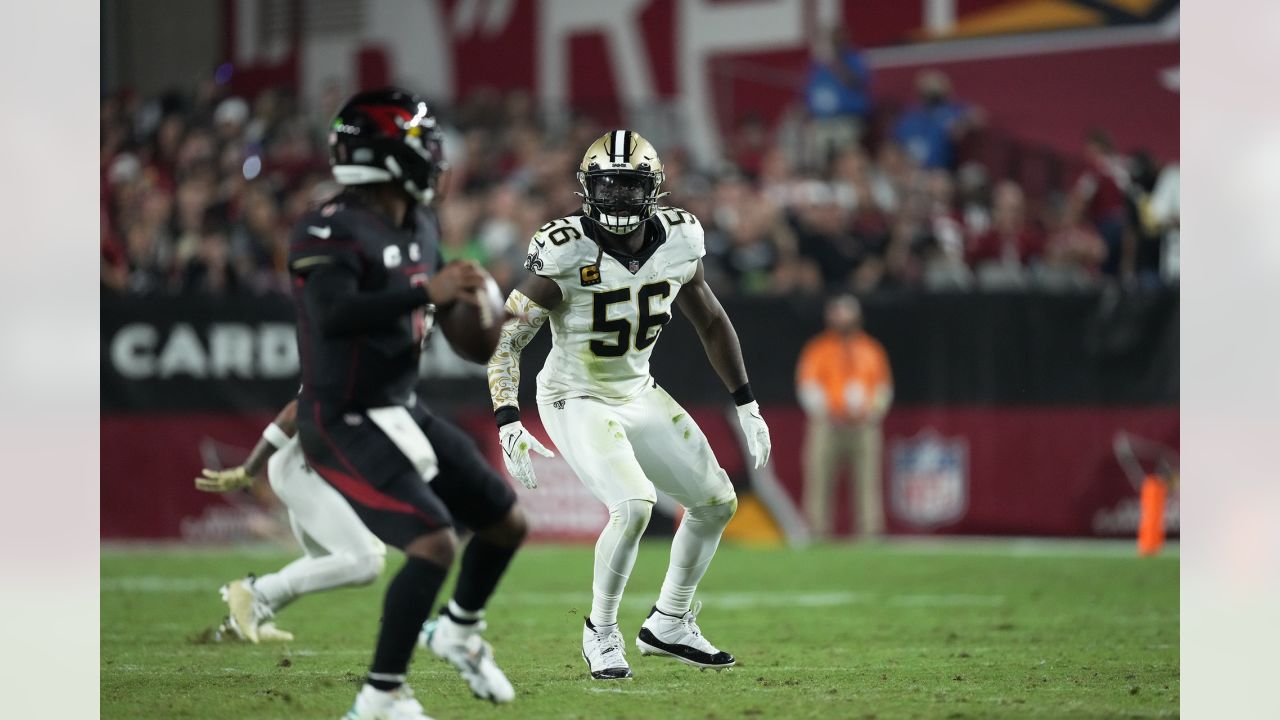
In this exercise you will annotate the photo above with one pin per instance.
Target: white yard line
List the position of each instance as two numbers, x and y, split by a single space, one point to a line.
956 600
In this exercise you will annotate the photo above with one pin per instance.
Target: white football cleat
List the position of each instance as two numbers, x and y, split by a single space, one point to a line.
267 632
461 645
250 615
605 652
375 704
680 638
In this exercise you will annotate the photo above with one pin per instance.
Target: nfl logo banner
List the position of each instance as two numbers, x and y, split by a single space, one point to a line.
929 486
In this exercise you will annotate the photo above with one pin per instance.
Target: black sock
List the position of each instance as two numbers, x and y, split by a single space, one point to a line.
483 564
408 603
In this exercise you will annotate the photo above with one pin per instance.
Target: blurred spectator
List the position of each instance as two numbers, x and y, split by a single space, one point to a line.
858 187
500 239
887 217
945 223
750 144
756 250
1000 255
838 95
1153 220
210 271
259 242
1098 197
930 130
1163 215
822 233
973 190
845 387
115 269
1074 253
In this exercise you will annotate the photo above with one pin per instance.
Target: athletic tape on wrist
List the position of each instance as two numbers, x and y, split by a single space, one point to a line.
275 435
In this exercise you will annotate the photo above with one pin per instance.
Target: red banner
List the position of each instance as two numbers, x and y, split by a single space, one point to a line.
954 470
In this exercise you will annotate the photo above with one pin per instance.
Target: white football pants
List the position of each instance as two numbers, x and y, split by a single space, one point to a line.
621 453
340 551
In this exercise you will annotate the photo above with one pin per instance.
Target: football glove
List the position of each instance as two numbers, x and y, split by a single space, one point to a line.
756 432
516 443
224 480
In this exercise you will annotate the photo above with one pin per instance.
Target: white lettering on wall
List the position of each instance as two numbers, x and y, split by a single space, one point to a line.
277 351
231 351
706 28
619 22
262 351
133 351
182 354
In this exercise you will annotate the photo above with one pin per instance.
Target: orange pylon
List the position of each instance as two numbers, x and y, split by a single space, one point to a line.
1151 520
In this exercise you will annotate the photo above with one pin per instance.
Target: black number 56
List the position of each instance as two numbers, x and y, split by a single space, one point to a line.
647 329
562 234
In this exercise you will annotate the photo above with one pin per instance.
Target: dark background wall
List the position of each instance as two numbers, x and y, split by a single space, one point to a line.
1027 391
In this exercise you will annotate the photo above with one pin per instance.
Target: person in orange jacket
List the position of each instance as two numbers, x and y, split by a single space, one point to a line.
845 386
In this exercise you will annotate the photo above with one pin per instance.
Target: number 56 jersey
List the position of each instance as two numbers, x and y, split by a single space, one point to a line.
613 305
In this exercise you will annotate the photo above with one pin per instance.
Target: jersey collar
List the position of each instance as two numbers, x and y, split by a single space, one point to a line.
655 234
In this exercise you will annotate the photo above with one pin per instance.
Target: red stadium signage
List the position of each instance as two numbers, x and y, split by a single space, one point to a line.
955 470
691 69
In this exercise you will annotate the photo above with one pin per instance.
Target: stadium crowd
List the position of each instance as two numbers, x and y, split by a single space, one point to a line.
199 191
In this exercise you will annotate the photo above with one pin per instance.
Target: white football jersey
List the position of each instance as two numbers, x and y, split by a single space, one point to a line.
608 320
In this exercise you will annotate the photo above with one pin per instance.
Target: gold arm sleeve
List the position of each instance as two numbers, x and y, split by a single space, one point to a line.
504 366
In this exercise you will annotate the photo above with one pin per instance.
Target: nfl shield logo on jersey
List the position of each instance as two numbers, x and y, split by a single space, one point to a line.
929 486
633 266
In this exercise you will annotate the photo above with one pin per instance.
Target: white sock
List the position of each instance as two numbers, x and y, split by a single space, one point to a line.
615 556
692 548
312 574
457 612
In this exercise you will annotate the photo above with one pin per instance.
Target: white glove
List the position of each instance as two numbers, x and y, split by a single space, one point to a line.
855 399
813 400
756 431
516 443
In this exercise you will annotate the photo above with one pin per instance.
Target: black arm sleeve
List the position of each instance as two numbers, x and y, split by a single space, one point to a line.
338 307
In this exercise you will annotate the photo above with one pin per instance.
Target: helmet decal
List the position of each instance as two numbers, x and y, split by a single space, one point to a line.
387 135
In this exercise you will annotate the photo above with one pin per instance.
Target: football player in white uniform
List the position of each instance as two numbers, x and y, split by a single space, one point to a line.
606 281
339 550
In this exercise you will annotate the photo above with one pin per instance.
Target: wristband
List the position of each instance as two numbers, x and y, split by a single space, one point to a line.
743 396
506 415
274 435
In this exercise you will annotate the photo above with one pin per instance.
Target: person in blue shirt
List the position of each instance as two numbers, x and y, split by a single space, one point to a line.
929 130
837 95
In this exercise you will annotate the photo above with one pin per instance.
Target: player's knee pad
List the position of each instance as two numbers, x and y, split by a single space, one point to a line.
717 515
630 517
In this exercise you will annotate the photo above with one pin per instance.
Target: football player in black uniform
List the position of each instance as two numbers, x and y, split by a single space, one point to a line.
366 268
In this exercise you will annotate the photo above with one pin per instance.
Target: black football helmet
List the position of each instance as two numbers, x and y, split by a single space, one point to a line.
387 135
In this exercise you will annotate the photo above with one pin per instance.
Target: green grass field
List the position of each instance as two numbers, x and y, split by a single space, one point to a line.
952 629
